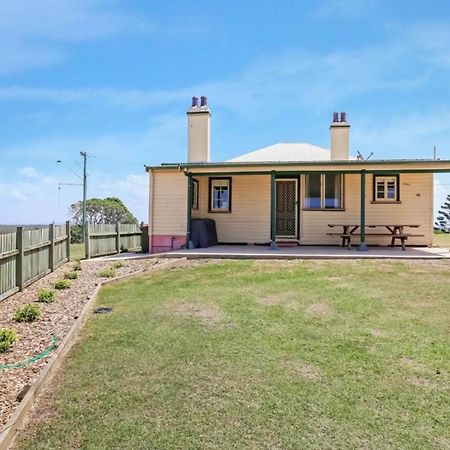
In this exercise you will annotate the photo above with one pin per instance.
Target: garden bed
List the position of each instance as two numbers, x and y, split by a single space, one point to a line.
54 322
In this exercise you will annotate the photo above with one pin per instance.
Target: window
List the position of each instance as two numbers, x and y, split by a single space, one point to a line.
195 194
220 194
323 191
386 188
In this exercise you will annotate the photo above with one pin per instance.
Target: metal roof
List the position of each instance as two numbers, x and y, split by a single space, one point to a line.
296 163
286 152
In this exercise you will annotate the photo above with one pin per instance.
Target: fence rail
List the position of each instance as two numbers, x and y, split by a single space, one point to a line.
108 239
29 253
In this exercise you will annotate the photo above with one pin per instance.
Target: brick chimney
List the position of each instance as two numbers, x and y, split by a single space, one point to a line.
339 137
199 118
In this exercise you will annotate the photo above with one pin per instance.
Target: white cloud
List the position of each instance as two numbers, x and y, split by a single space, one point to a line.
115 168
29 172
402 136
294 78
37 33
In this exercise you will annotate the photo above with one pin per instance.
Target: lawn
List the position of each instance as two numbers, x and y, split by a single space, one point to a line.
259 355
76 251
441 239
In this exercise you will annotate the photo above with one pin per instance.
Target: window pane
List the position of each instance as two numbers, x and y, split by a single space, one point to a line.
380 189
216 198
333 193
195 194
391 194
312 194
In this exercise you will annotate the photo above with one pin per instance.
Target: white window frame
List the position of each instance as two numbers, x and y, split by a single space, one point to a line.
222 181
322 194
385 179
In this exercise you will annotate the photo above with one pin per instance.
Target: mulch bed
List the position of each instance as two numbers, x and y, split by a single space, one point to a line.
56 319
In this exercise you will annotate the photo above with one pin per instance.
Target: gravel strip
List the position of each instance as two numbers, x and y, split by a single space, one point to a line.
55 320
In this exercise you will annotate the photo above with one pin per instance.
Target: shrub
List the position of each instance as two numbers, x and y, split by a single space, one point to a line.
76 234
77 266
71 275
7 338
118 264
107 273
27 313
63 284
46 295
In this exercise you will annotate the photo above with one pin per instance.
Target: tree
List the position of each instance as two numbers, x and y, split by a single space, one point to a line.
102 210
443 219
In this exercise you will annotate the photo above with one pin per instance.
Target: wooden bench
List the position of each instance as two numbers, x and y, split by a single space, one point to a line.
347 238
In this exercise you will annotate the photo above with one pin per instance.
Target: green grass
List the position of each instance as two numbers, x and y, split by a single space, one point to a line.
76 251
441 239
305 355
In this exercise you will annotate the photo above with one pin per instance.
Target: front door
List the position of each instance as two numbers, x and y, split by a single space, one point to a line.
286 208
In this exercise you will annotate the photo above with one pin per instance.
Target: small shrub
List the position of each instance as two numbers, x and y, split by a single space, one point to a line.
27 313
118 264
7 338
71 275
107 273
63 284
77 266
46 295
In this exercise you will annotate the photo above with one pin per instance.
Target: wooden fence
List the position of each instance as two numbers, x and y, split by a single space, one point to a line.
29 253
107 239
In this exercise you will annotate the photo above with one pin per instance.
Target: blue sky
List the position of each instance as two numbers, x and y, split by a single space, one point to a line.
115 78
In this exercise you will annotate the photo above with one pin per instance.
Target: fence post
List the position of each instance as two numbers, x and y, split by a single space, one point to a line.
51 235
118 237
87 242
68 240
19 258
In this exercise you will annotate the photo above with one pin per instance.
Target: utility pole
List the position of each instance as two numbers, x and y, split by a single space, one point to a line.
84 155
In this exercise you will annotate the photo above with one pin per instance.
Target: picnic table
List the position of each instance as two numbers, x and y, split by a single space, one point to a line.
395 231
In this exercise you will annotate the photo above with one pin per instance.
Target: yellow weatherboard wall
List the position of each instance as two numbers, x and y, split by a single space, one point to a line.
249 220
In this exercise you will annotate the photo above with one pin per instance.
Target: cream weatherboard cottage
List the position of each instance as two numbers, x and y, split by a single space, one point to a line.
290 193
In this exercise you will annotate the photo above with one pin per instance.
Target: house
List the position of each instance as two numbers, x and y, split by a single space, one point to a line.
290 193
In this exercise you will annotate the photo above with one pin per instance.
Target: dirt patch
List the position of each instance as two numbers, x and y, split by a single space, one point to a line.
287 299
333 278
318 310
377 333
207 315
301 369
411 363
268 301
420 381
